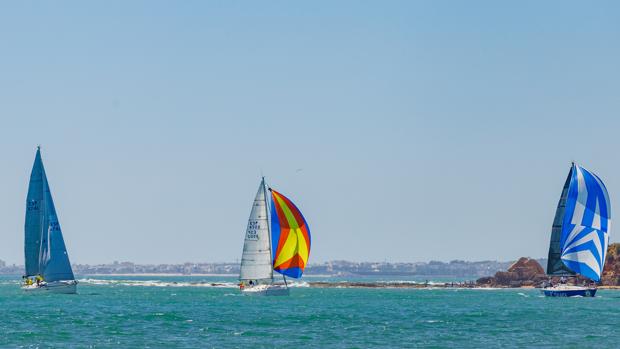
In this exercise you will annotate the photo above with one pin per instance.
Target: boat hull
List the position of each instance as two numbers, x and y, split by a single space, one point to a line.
266 290
65 287
569 291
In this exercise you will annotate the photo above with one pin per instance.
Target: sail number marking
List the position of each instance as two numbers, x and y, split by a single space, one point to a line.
33 205
252 231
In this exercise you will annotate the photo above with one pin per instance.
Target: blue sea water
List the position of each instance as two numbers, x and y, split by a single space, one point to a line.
187 312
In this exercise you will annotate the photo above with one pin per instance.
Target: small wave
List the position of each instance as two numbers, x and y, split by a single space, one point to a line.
522 294
11 281
298 284
408 282
157 283
433 321
484 288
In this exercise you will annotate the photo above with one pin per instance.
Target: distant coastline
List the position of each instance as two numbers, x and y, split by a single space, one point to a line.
159 274
453 269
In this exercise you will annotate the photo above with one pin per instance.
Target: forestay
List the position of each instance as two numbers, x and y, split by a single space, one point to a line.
586 223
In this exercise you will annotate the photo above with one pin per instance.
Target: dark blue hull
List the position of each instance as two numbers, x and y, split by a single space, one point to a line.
585 292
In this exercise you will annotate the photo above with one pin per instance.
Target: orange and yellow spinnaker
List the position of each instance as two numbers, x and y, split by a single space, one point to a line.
290 236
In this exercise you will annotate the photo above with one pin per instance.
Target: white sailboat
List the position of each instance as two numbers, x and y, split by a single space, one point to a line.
256 273
282 244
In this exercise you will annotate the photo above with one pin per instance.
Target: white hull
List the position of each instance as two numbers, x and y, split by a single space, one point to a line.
266 290
66 287
569 291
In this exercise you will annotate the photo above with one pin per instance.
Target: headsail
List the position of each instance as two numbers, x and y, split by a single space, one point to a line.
45 250
586 223
256 258
290 236
555 266
57 265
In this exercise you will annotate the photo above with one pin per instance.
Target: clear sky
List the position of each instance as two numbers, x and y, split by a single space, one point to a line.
405 131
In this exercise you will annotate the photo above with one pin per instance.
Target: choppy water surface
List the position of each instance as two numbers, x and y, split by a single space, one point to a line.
187 312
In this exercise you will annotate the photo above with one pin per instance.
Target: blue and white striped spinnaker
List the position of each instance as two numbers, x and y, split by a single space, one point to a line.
585 228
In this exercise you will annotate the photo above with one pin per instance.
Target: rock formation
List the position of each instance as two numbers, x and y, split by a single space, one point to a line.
528 272
524 272
611 270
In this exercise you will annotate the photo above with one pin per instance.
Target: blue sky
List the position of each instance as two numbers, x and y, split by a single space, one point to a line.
405 131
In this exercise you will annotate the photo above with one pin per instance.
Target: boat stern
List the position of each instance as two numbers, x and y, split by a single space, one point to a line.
574 291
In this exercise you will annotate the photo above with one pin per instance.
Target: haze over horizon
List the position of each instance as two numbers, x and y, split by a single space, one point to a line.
404 131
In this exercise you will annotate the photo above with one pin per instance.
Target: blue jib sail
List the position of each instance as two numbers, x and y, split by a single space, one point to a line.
45 250
585 228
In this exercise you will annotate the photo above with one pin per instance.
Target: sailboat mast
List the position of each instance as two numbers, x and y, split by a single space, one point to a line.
267 208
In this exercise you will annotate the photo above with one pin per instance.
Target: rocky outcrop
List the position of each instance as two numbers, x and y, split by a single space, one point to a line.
528 272
524 272
611 271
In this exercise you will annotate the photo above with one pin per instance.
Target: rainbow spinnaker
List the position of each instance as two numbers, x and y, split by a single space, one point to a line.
290 236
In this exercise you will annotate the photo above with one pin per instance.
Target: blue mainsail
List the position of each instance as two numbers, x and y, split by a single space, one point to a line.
34 218
555 266
585 227
45 250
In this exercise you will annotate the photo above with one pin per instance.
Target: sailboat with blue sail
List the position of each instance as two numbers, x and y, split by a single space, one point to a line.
46 260
580 234
278 242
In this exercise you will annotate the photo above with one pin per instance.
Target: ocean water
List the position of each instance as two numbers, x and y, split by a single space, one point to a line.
186 312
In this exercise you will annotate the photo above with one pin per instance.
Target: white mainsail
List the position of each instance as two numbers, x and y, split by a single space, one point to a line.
256 258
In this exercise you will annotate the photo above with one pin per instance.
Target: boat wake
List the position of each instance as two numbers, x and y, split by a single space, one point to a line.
158 283
298 284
